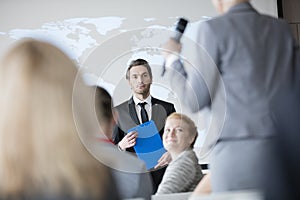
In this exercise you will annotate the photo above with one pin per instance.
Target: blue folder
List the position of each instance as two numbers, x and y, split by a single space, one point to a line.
148 147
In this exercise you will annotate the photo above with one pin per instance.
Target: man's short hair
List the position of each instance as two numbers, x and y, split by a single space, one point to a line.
103 105
138 62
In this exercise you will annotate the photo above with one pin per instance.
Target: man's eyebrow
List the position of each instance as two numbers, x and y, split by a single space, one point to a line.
138 73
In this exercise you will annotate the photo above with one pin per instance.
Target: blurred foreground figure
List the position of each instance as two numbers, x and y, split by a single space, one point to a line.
244 60
41 156
129 172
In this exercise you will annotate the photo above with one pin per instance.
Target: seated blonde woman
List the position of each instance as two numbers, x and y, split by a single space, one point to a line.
41 156
183 173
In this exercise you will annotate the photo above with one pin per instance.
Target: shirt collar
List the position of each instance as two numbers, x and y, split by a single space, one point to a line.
147 100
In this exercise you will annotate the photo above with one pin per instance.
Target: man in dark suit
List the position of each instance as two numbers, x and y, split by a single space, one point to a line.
139 108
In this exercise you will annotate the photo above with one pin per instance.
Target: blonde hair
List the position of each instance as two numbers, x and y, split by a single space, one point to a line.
40 152
192 127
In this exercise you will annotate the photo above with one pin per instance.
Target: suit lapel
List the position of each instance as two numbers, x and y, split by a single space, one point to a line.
154 115
159 113
132 111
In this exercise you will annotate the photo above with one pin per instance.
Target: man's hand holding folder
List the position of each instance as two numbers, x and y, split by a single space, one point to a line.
128 141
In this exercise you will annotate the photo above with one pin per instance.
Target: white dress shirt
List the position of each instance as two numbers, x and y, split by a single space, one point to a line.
148 107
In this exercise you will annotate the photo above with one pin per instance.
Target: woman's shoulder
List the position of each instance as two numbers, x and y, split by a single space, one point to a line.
186 157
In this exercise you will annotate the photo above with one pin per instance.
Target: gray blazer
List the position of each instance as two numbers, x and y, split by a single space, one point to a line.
252 59
253 56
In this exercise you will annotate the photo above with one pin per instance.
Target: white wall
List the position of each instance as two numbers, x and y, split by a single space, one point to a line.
32 14
101 35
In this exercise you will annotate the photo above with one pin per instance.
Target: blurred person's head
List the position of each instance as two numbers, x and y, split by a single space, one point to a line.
180 134
40 151
139 77
222 6
104 111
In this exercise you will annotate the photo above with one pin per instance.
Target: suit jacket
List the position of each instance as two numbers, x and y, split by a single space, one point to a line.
250 57
128 117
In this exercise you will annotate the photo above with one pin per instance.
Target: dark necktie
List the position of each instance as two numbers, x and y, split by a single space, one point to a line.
144 114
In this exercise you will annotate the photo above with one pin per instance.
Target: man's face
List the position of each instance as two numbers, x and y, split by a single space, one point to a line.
140 80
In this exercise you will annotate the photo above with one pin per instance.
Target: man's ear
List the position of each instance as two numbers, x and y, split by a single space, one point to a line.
115 117
128 82
112 123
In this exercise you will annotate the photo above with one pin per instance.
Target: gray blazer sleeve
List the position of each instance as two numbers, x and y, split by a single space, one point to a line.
198 82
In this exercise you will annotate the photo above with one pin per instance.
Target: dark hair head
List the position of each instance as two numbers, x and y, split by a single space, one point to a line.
103 105
138 62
